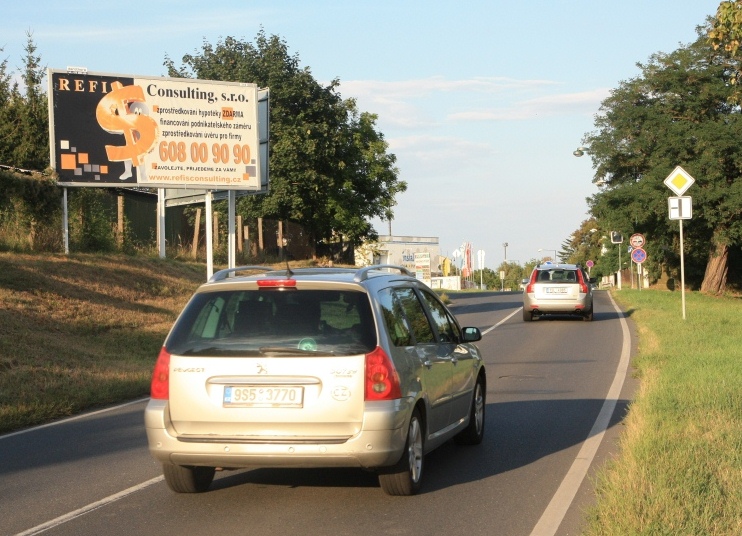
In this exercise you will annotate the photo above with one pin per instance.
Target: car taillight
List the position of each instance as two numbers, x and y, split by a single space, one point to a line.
583 286
529 288
382 381
160 386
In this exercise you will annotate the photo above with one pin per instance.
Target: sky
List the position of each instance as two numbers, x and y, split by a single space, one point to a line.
482 101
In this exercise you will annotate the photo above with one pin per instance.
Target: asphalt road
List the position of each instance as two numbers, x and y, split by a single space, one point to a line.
557 390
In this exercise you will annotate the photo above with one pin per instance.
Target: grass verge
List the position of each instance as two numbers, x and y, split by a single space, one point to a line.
82 331
680 466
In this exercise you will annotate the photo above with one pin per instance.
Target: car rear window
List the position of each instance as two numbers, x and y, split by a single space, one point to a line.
558 275
260 322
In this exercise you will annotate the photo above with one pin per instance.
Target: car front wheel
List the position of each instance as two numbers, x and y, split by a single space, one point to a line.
405 476
188 479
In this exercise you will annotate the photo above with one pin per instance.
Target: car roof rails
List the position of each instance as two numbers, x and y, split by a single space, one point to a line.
363 273
223 274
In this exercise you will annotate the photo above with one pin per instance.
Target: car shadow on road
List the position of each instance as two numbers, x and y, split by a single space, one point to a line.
598 316
517 435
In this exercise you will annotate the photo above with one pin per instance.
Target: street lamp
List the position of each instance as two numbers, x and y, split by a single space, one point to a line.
505 245
555 255
580 151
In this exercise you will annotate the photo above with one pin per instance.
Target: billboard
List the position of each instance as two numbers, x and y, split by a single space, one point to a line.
135 131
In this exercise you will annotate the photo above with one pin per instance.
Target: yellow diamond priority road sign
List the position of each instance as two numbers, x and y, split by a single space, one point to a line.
679 181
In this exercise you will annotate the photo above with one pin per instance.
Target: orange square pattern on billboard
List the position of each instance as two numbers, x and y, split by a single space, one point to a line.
69 161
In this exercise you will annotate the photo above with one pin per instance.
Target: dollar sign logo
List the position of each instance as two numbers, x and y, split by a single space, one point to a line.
115 115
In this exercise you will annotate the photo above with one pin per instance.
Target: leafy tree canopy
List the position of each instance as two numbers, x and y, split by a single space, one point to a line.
725 32
329 166
677 112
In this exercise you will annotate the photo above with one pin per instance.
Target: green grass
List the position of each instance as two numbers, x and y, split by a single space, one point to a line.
680 466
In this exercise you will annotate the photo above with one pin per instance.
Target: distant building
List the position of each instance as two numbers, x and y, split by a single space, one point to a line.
421 255
400 250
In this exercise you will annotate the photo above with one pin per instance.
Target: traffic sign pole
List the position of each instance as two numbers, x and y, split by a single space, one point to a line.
638 255
679 181
682 270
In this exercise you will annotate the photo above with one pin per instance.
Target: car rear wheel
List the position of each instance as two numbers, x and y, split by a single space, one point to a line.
588 317
527 315
474 432
404 477
188 479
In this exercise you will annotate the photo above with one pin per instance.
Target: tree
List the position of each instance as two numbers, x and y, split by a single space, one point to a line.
24 118
584 245
725 32
6 124
329 166
677 112
514 274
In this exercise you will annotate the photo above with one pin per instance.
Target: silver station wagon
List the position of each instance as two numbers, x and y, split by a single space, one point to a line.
558 289
313 367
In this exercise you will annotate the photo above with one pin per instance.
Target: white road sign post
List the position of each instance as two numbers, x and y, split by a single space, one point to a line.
617 238
680 208
480 260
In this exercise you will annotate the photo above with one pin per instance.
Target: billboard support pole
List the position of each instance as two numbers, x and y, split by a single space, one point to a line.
161 222
65 223
231 239
209 237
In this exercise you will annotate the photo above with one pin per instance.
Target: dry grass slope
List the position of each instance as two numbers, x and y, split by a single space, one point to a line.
82 331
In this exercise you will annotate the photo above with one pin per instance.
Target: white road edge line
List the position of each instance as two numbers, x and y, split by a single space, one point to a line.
485 332
550 519
565 494
90 507
70 419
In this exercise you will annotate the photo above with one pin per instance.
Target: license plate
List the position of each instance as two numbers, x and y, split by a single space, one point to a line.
264 396
556 290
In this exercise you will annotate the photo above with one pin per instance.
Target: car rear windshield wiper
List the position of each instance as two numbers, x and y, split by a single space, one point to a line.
220 351
289 350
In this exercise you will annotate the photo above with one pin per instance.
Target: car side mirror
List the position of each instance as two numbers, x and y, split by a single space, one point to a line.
472 334
525 281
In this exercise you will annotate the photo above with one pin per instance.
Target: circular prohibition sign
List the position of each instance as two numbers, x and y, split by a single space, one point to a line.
638 255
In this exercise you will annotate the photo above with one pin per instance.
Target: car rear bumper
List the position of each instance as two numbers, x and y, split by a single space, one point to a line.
556 306
379 443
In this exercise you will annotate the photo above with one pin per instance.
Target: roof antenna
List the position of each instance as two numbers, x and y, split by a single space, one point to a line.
289 273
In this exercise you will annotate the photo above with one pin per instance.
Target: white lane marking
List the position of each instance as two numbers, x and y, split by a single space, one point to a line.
565 494
70 419
485 332
89 508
